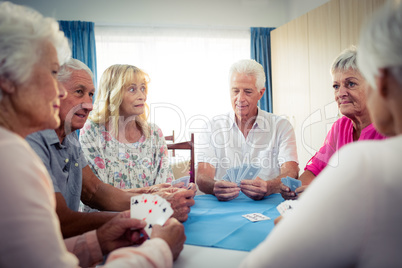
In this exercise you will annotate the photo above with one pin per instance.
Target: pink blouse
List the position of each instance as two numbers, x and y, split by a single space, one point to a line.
340 134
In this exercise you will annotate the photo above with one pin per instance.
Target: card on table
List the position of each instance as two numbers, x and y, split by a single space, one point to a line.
256 217
292 183
151 208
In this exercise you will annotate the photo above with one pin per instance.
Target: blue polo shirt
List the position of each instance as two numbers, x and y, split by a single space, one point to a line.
64 161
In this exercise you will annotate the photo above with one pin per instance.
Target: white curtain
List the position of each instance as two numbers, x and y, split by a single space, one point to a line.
188 69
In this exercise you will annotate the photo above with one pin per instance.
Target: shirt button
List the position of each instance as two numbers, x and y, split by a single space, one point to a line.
76 164
66 160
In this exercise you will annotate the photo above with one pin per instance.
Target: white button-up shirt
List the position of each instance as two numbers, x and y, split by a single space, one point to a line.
270 143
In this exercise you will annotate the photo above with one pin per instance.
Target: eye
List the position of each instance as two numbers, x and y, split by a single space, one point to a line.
91 94
351 84
335 87
248 92
143 89
79 91
132 89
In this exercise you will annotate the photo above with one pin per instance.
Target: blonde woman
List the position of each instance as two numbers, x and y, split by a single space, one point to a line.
120 146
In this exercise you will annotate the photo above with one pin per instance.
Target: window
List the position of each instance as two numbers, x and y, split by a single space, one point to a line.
188 69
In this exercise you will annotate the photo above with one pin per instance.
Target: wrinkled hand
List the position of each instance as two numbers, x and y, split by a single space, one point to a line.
173 233
120 231
288 194
225 190
157 187
255 189
180 200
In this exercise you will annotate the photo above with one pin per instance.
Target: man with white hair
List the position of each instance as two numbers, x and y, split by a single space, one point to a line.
246 136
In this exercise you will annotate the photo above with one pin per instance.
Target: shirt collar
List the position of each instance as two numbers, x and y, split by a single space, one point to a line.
259 121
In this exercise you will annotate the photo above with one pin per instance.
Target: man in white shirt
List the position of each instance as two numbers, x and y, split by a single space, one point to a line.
246 135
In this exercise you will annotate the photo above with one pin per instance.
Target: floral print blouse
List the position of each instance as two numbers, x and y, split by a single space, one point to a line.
126 165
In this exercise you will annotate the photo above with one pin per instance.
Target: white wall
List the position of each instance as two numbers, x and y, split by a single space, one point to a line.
239 14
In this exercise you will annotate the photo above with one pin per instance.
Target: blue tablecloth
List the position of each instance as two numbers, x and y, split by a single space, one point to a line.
212 223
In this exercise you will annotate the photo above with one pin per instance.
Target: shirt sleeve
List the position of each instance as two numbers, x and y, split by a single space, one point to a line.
91 141
164 172
320 160
314 234
29 227
152 253
39 145
287 142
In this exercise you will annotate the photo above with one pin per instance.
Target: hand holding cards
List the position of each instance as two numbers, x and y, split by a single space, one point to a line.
151 208
292 183
244 172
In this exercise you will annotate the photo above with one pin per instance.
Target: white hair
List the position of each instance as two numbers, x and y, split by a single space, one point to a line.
68 67
249 67
380 43
345 61
23 32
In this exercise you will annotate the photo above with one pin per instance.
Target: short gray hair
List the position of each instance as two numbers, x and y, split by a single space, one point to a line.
380 43
345 61
23 32
249 67
68 67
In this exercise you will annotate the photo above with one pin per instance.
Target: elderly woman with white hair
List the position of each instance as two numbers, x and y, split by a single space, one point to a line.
32 48
349 216
355 125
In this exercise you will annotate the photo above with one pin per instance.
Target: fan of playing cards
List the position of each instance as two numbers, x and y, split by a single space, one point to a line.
151 208
244 172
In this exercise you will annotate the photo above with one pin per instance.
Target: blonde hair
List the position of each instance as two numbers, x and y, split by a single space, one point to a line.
110 96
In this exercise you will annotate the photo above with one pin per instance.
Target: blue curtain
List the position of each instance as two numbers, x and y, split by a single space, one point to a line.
82 37
261 52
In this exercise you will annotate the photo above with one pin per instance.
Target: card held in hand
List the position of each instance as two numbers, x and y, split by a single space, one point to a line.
152 209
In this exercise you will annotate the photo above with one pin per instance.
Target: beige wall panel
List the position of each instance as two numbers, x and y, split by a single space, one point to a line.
280 69
324 45
298 99
353 14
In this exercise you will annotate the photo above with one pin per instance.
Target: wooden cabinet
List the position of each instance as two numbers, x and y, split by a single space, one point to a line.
302 53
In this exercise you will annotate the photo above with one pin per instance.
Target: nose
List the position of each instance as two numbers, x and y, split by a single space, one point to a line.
342 91
241 96
87 104
62 91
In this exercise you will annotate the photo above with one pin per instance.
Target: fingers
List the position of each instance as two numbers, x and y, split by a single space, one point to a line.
255 189
277 220
173 233
286 192
225 191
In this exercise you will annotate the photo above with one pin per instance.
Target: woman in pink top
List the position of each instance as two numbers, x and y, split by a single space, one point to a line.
350 94
31 50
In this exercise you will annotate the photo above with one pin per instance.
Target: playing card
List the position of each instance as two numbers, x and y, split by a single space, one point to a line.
226 177
286 206
292 183
151 208
256 217
236 171
185 179
251 173
231 174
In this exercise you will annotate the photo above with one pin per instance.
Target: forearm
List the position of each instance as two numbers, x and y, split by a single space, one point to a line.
74 223
307 177
205 183
205 177
288 169
108 198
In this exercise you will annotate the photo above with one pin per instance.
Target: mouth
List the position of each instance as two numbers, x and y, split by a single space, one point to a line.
139 105
81 114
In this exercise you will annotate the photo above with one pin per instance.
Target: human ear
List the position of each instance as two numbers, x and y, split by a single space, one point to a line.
261 93
6 85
